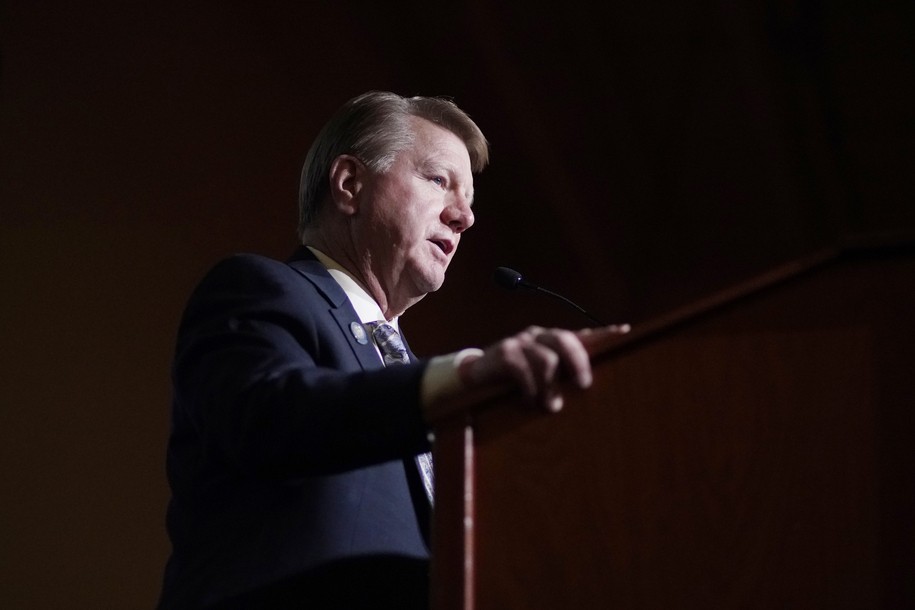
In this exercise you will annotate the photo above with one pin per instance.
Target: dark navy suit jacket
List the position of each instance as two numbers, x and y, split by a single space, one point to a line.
291 445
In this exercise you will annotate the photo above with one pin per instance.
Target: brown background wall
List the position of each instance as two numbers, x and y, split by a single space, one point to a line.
642 157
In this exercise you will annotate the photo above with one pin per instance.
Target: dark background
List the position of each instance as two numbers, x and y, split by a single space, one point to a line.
643 156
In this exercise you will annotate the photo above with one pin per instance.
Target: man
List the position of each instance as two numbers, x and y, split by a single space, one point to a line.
293 452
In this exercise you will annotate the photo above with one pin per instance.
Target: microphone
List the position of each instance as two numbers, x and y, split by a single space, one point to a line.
512 280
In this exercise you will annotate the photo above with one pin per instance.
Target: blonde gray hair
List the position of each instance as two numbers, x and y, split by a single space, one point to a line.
374 127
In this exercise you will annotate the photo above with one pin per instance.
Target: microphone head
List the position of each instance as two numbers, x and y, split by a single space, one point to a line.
507 278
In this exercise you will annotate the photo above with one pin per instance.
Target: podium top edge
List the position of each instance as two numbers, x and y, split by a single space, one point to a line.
849 250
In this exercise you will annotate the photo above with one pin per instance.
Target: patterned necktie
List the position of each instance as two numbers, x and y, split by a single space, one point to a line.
394 352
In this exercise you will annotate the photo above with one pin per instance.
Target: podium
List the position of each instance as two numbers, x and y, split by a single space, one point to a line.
754 450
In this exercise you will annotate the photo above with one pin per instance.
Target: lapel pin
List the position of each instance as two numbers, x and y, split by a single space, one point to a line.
359 333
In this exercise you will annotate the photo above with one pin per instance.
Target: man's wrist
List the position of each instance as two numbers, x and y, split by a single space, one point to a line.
447 375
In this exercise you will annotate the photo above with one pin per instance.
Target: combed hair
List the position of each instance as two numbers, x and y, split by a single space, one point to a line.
374 127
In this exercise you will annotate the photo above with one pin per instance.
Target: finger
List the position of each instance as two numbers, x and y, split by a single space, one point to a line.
537 366
507 361
571 354
531 366
612 329
544 363
553 400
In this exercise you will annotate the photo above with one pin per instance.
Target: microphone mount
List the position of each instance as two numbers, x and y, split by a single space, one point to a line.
512 280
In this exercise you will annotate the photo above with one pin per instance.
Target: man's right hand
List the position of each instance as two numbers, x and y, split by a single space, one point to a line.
534 361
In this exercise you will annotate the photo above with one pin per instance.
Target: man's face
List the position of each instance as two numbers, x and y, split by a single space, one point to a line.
412 215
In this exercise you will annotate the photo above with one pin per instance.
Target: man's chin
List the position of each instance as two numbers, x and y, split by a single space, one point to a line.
428 282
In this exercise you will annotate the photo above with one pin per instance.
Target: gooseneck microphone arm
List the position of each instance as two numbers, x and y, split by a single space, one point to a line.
512 280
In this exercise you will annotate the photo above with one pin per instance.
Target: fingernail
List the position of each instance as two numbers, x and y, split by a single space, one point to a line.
555 405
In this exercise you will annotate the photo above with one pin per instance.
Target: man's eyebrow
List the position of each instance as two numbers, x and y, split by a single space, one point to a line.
434 163
442 165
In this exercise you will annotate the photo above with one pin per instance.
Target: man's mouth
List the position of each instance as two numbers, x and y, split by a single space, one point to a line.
444 245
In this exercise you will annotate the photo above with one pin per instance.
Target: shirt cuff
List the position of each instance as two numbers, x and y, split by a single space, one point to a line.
441 380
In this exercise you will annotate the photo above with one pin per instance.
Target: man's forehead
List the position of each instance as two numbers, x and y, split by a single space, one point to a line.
425 130
437 159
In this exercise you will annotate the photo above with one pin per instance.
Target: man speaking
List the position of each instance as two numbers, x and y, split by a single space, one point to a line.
298 456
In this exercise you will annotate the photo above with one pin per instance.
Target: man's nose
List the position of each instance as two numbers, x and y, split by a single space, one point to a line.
458 214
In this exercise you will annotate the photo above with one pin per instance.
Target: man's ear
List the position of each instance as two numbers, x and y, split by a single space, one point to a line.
347 178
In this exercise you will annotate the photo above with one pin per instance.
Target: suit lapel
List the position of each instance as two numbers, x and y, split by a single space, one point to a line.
340 308
343 313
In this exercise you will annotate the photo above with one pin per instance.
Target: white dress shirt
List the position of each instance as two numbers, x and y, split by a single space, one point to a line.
440 378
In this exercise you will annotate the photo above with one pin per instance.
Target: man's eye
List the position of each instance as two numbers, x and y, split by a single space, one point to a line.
440 181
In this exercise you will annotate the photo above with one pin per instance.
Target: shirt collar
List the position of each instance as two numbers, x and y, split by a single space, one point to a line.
366 307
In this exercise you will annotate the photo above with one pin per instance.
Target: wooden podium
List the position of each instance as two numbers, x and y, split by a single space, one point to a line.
756 450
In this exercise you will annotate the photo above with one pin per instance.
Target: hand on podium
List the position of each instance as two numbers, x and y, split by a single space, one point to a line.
535 361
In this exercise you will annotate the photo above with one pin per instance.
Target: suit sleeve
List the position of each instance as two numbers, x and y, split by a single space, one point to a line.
266 382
